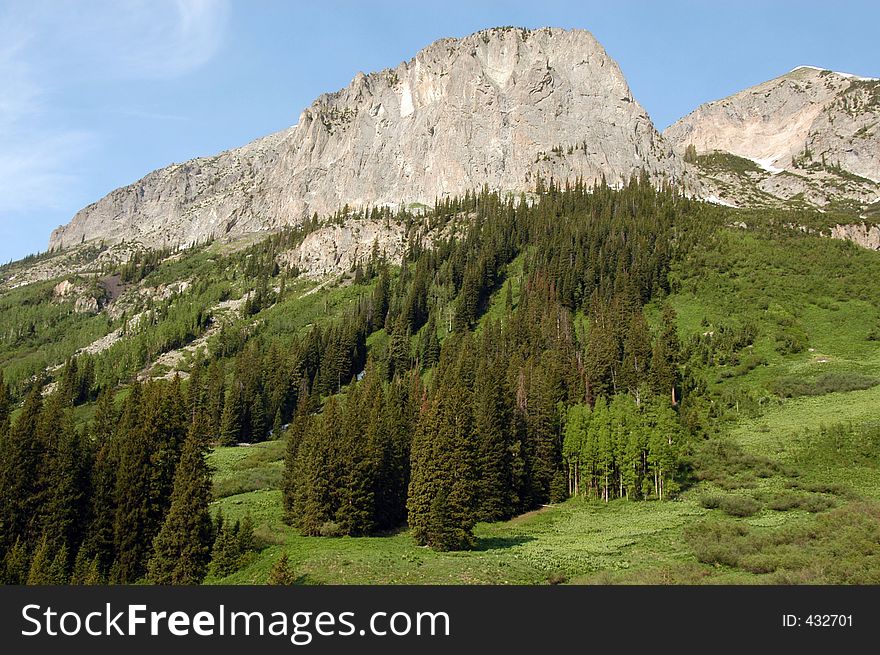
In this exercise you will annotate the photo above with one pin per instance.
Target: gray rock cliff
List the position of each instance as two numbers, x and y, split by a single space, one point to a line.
497 108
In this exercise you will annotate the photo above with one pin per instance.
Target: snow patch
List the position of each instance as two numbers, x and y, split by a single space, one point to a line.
857 77
767 164
715 200
847 75
406 101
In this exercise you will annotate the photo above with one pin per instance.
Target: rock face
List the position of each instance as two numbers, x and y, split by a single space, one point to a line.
338 248
496 108
867 236
820 127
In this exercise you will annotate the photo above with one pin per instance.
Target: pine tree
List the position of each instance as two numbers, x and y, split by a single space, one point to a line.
429 345
441 494
399 357
16 564
65 511
225 554
48 567
233 417
495 493
101 503
181 550
5 408
19 470
361 461
131 495
636 356
280 574
245 535
665 358
299 427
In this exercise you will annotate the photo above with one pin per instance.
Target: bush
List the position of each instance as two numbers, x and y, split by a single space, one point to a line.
728 466
741 506
720 542
791 341
828 383
785 501
330 529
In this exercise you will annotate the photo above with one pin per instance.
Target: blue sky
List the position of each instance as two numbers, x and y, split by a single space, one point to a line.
94 94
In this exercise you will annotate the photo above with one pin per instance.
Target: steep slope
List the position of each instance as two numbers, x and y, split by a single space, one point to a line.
814 135
496 108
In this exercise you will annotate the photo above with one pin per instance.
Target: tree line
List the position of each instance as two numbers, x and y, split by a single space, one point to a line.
458 417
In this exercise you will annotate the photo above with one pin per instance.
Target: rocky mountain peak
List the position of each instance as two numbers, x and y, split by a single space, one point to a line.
819 126
499 108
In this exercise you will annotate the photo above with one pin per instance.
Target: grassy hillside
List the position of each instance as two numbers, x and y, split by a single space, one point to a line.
786 506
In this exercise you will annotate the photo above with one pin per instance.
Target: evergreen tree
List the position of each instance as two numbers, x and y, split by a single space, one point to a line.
181 550
48 567
16 564
299 427
441 494
280 574
233 417
65 511
101 513
225 554
496 497
20 467
429 345
666 357
132 495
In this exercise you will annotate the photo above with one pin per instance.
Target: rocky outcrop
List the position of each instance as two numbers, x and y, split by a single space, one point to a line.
821 127
497 108
867 236
338 248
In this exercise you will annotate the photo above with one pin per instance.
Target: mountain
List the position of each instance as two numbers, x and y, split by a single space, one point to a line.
499 108
810 135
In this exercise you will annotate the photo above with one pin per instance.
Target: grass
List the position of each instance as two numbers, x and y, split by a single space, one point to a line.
561 543
769 503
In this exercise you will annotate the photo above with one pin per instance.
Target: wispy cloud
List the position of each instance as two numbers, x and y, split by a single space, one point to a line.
47 47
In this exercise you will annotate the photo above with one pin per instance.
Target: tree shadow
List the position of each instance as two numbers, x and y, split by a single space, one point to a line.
498 543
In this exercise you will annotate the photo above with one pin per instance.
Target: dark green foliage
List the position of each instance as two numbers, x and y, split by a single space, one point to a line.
281 573
666 358
791 341
21 463
728 466
739 505
840 547
482 439
840 444
441 492
232 544
48 567
181 550
346 469
16 564
827 383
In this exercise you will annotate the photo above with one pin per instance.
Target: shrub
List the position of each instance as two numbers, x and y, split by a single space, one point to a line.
791 341
741 506
330 529
784 501
828 383
720 542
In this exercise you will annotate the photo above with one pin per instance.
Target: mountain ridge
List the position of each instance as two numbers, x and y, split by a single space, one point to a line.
819 127
500 108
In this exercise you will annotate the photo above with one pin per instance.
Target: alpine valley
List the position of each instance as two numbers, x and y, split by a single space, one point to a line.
472 319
